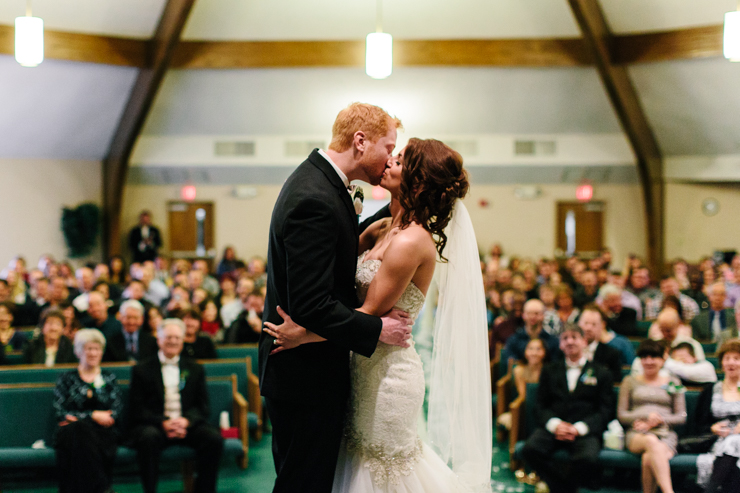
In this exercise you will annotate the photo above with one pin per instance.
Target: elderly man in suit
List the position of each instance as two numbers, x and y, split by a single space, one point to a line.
169 406
575 401
717 324
135 342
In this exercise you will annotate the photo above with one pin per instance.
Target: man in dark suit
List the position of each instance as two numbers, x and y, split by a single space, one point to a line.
621 319
312 259
135 342
144 240
169 406
98 318
575 401
717 324
593 326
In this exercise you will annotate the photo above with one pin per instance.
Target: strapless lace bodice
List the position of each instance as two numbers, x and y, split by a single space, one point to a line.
387 395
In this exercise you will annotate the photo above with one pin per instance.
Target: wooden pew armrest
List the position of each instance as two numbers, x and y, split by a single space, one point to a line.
516 407
502 387
241 412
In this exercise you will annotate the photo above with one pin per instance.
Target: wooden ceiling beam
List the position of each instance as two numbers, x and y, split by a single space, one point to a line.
623 96
115 165
701 42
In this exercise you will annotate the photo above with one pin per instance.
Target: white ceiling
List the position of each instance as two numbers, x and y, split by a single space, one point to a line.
68 110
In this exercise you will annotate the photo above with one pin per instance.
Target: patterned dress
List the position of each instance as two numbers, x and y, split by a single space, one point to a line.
729 445
382 450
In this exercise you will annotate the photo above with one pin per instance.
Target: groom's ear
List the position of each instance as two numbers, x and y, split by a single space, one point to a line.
360 140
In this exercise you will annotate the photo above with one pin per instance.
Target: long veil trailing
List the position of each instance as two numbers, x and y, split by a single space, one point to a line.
460 421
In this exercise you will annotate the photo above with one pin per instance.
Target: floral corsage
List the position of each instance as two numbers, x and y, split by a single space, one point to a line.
183 377
674 388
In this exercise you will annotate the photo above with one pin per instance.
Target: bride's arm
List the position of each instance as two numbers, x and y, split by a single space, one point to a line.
405 253
369 237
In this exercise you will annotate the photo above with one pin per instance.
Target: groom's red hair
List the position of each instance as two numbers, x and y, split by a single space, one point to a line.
372 120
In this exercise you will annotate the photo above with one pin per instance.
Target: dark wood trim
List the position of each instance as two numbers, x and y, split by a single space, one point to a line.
83 47
115 165
626 103
700 42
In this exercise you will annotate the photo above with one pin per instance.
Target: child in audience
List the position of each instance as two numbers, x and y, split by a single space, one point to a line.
683 364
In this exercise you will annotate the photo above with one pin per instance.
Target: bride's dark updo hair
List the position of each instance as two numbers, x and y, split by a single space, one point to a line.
432 179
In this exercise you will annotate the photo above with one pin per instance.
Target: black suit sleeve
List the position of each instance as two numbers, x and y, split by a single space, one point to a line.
610 359
195 398
141 407
310 235
545 389
607 409
2 354
704 417
381 214
115 348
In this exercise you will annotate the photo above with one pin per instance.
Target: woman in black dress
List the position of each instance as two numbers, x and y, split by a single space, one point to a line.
88 404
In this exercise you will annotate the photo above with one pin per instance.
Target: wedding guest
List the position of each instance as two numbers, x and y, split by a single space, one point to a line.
211 324
593 326
230 311
144 239
98 317
9 337
535 355
587 289
684 329
154 319
169 406
71 320
50 347
683 364
135 342
567 312
621 319
210 284
571 417
503 330
248 325
717 324
117 271
228 262
718 412
179 301
197 345
199 296
88 404
227 294
532 316
650 405
668 322
669 287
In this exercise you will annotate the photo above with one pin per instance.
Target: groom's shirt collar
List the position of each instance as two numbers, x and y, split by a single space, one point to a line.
342 176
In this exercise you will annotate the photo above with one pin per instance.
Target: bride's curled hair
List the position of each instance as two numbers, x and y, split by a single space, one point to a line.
432 179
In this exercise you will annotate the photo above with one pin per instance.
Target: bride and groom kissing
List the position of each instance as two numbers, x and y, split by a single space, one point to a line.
343 385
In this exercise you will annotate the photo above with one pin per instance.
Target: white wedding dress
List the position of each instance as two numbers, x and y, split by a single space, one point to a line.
382 450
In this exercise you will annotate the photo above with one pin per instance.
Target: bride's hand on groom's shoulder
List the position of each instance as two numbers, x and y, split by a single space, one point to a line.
396 328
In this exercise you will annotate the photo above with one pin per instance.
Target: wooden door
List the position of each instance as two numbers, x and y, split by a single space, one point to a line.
580 228
191 230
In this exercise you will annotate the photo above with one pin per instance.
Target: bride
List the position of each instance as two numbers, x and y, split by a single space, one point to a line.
382 450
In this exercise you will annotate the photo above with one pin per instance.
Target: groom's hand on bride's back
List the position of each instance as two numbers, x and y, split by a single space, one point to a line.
396 328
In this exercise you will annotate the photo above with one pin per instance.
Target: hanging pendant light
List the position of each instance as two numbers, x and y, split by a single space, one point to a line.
731 40
29 39
379 50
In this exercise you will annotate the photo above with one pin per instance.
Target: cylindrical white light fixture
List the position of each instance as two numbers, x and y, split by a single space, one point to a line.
379 55
29 40
732 36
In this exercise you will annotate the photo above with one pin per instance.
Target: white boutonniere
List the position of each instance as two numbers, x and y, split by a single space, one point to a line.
357 196
99 382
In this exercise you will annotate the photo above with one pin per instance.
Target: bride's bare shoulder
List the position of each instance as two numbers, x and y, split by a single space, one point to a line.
417 238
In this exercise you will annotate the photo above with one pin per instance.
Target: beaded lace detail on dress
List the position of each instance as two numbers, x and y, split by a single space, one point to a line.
387 396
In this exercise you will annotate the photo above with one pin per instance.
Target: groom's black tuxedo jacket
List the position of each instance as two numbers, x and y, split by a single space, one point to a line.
592 400
311 264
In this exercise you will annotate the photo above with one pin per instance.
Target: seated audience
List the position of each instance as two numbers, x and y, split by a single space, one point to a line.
248 325
629 300
228 262
587 289
50 347
210 284
593 326
87 403
71 321
567 313
718 412
85 282
532 316
9 337
535 355
650 405
153 319
717 324
683 364
155 291
231 311
669 287
639 285
503 330
174 414
211 324
117 271
198 296
179 301
684 329
621 319
135 342
696 289
196 345
227 294
668 322
98 317
571 417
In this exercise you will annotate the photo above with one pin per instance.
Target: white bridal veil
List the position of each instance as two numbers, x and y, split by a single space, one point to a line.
460 421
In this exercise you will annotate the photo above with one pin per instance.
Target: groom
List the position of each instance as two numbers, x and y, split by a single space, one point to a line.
312 259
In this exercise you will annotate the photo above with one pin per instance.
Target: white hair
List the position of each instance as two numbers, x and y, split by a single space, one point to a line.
608 290
170 321
85 336
136 305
